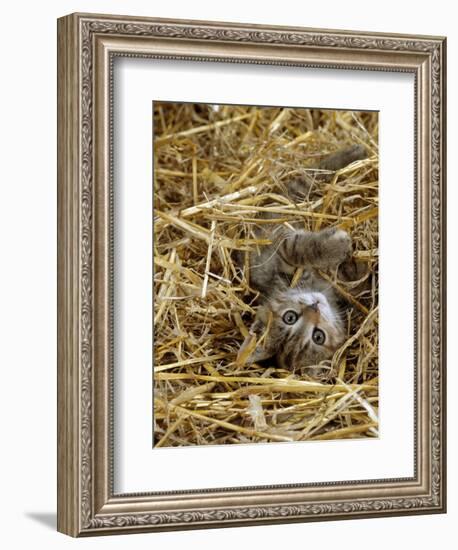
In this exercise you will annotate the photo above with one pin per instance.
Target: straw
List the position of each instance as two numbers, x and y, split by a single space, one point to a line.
219 174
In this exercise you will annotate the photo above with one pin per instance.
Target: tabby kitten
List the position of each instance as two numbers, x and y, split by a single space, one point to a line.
299 326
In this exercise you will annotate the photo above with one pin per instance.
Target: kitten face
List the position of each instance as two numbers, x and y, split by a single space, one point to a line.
304 328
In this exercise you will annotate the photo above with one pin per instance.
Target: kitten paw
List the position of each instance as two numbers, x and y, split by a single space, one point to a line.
342 237
352 270
338 246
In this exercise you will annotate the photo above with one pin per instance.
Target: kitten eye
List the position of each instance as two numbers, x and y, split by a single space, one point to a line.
318 336
290 317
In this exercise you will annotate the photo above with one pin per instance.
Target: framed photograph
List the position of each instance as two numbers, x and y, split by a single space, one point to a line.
251 289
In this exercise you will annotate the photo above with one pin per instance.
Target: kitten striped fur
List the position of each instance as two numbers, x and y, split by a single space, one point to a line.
299 326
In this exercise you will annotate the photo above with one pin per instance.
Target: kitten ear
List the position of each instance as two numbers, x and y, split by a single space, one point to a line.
251 351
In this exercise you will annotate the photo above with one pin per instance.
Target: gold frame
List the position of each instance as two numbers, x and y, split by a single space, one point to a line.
87 45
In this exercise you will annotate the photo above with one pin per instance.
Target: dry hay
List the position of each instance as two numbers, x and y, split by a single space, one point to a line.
216 168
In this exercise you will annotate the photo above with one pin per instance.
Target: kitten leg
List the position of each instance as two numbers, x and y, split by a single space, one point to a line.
253 350
322 249
299 189
352 270
343 157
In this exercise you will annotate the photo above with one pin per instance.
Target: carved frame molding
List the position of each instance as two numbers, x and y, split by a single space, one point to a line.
87 45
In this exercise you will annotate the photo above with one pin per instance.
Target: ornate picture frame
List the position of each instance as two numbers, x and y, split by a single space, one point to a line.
87 46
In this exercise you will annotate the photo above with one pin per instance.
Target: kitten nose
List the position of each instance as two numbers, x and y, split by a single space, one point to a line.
314 306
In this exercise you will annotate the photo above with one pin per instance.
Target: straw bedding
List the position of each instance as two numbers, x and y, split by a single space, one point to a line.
215 169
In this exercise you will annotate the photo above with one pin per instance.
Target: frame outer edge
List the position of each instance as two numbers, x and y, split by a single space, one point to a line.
248 26
443 281
68 238
76 483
